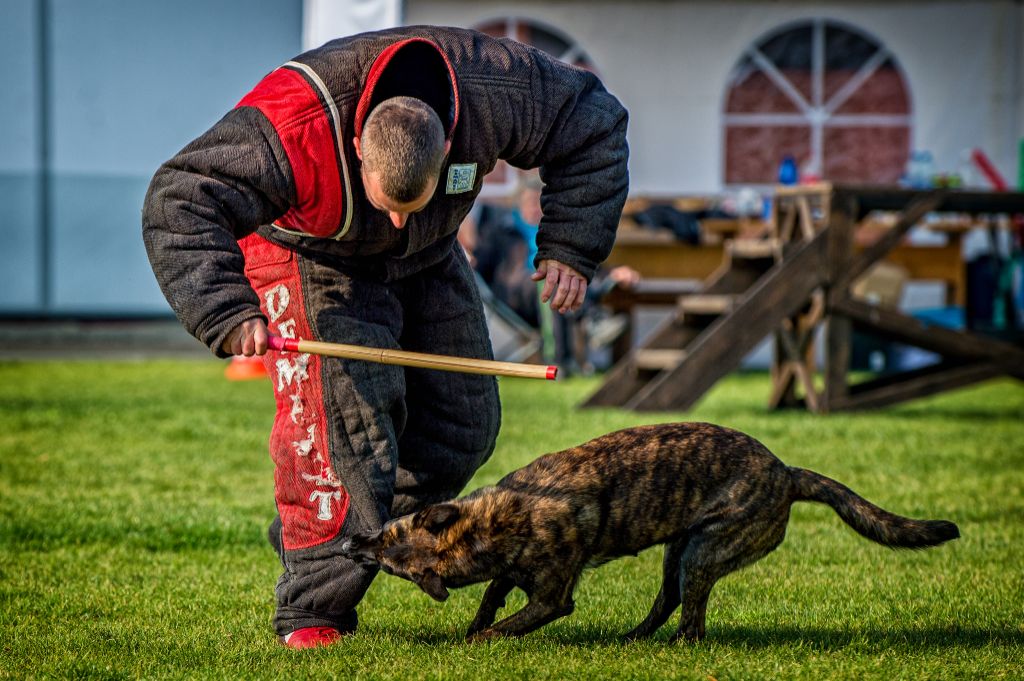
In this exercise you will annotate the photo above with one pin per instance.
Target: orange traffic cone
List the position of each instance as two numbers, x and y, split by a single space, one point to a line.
243 368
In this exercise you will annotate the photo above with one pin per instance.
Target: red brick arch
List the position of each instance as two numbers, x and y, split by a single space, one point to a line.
823 92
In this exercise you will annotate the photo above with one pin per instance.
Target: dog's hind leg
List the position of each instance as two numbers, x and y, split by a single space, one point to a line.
668 597
709 557
493 600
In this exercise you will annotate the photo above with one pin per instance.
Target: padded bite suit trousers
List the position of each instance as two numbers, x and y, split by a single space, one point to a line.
355 443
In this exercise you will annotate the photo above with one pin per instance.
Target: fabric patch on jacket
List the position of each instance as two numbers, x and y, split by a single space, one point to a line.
461 178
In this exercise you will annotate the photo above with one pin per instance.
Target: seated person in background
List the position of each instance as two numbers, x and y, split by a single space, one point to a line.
501 245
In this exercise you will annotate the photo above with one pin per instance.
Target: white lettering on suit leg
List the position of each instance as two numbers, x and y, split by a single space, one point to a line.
303 447
324 499
277 299
297 408
289 371
286 329
326 477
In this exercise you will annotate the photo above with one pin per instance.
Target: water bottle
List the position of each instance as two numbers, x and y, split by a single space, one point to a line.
788 173
920 170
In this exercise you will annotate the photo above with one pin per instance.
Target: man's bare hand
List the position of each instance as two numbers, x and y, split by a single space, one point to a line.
248 338
563 286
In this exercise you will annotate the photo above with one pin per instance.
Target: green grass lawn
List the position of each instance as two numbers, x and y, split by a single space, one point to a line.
134 499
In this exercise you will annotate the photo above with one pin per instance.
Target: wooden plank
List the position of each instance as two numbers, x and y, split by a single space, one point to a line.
947 342
916 384
887 197
736 277
723 345
706 303
837 329
722 227
791 350
664 292
806 220
841 224
939 263
783 384
666 260
838 348
788 221
753 249
913 214
806 377
623 380
649 292
657 359
805 328
794 358
819 188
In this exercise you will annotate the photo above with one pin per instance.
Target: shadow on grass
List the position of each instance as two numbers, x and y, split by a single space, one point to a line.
584 635
918 638
813 637
963 413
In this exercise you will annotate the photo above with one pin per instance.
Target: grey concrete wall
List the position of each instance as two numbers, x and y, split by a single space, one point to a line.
20 237
128 83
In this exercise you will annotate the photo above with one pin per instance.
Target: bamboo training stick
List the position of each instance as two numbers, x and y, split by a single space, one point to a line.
420 360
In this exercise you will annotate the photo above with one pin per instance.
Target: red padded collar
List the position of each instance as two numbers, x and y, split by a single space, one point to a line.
381 63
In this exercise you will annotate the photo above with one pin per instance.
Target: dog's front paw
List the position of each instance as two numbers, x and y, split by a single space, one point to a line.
482 635
641 631
479 624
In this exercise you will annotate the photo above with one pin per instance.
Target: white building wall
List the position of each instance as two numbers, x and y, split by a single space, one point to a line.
325 20
669 63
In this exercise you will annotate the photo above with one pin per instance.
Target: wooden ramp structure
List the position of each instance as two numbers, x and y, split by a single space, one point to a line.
795 281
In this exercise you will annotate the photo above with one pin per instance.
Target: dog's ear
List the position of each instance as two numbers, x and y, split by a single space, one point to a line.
437 517
432 585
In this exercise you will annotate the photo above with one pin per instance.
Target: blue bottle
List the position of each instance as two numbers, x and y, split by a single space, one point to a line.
788 173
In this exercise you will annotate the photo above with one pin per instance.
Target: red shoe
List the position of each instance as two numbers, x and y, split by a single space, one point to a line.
310 637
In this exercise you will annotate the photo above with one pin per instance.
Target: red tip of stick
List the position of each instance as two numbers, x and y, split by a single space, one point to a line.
552 373
282 344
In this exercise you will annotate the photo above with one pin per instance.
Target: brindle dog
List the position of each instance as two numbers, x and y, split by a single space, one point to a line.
718 500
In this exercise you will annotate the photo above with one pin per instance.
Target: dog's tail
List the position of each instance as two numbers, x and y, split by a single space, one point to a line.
869 520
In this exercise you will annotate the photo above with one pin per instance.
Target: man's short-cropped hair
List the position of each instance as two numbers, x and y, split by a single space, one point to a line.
403 145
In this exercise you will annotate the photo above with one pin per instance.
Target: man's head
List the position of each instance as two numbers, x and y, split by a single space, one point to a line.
402 149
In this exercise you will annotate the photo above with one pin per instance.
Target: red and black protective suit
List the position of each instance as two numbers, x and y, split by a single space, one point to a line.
265 215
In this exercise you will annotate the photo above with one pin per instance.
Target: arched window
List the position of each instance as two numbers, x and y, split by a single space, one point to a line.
543 37
825 93
502 180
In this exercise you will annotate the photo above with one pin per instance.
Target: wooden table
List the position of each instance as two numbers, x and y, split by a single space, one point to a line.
658 254
800 280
